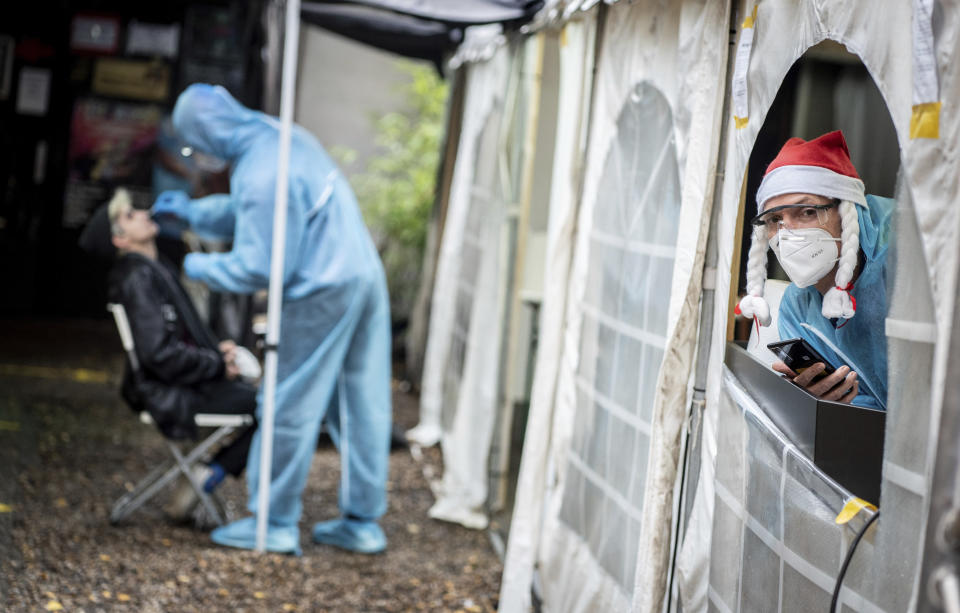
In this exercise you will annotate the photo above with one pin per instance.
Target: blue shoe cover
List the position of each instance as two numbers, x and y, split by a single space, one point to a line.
242 534
360 536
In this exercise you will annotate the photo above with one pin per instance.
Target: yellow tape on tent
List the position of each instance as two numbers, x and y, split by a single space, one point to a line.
741 114
852 507
925 119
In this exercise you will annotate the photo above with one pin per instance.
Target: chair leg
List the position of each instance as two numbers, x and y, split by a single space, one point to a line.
148 487
144 491
197 487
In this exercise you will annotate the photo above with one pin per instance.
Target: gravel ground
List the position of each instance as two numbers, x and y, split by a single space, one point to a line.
69 447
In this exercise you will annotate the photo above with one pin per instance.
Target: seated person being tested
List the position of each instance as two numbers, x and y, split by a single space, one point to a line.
831 239
184 370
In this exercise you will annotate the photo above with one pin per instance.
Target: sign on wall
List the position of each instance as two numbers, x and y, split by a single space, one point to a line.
111 144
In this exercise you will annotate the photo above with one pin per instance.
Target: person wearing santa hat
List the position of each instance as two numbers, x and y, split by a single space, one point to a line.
831 239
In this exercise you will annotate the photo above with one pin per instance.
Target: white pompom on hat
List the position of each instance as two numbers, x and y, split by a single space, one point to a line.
822 167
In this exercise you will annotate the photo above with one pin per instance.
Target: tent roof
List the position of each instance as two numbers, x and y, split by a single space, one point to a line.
460 13
422 29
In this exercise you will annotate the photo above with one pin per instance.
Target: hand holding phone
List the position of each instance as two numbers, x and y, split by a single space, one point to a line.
798 355
804 366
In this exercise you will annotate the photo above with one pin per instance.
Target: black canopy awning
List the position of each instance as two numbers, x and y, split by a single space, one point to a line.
422 29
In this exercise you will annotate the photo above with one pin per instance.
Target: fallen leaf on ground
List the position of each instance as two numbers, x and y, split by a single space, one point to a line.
5 508
104 557
259 595
53 605
289 607
123 597
60 503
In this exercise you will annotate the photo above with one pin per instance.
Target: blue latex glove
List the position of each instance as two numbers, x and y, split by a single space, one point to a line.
170 212
173 203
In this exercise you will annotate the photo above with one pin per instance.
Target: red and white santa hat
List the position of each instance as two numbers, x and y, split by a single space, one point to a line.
820 166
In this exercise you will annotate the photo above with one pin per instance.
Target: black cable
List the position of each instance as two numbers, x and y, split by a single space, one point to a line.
846 561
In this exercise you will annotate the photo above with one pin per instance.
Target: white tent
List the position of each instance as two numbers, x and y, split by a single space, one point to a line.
457 398
763 534
478 341
603 437
596 505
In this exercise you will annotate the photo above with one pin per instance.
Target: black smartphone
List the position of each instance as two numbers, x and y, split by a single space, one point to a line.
799 356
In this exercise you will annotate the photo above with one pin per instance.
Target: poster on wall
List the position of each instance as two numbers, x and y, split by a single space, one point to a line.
123 78
111 145
153 39
94 33
33 91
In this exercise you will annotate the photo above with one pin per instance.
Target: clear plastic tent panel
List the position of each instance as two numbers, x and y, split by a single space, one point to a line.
623 329
776 545
482 202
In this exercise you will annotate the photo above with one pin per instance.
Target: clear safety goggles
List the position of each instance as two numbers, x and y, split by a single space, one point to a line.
793 216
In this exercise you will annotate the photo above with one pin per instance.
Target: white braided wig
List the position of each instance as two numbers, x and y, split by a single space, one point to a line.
837 302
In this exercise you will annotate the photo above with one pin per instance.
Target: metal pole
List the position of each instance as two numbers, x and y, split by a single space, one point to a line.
275 299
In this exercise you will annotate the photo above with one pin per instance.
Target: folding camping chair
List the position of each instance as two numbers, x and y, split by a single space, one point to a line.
154 482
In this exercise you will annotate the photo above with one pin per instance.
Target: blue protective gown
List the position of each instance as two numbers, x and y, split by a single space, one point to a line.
334 348
861 341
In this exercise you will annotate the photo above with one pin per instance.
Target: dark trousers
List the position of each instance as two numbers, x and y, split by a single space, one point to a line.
232 398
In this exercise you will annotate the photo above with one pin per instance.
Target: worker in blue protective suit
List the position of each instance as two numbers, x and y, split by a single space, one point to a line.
334 347
832 241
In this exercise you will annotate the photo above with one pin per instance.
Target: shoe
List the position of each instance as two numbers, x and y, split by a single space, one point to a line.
358 535
242 534
184 498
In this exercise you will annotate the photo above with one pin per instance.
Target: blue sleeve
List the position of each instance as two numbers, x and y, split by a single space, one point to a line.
788 323
788 318
246 268
213 216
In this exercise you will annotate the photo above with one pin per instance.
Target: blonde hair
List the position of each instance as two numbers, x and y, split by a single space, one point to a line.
119 203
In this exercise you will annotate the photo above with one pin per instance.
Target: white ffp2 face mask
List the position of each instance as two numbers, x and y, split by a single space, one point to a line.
806 254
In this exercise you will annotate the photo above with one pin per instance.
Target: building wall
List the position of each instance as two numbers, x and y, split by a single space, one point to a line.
342 87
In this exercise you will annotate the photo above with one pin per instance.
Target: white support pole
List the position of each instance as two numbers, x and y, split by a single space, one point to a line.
275 299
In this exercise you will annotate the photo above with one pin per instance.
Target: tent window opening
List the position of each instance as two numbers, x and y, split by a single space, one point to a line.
829 89
623 332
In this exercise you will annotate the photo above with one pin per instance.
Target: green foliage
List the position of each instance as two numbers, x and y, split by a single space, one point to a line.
396 191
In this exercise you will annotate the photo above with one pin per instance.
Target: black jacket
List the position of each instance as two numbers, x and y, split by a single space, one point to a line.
177 353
